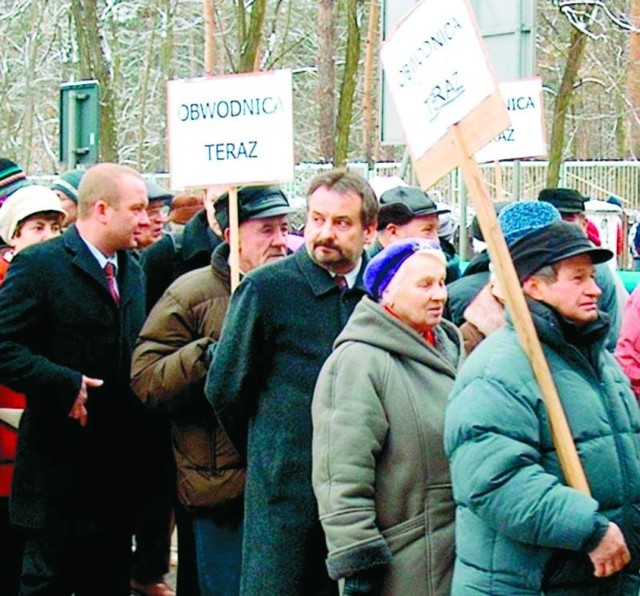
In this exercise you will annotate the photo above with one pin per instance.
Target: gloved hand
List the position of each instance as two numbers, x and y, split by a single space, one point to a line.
367 582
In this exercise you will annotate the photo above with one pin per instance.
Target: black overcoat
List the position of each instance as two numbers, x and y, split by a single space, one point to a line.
280 328
58 322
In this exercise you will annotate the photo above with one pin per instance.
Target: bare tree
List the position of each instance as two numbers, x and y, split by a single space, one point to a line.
326 80
368 99
349 80
633 80
94 64
209 13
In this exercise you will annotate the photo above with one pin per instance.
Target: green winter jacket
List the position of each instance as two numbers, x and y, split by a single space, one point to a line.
519 528
380 473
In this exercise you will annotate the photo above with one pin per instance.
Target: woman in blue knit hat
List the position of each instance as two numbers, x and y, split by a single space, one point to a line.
379 470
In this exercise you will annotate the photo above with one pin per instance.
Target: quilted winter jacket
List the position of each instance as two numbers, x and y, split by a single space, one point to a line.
168 372
380 473
519 528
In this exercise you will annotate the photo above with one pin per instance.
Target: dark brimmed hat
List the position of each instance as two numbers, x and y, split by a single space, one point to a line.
401 204
254 202
565 200
155 192
476 232
551 244
68 183
11 178
383 266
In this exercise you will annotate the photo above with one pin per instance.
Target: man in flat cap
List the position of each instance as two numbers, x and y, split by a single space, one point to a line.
519 528
570 203
169 365
408 212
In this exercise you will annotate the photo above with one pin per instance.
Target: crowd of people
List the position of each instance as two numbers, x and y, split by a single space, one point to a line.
358 416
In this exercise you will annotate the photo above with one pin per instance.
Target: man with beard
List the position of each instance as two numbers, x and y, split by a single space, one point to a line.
280 328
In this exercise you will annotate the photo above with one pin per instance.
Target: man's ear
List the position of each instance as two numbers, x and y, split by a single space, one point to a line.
101 207
227 235
531 287
369 233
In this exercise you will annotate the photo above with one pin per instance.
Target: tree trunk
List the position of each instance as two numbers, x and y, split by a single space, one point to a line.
326 80
152 50
209 15
562 104
633 81
94 65
252 41
29 99
368 102
349 78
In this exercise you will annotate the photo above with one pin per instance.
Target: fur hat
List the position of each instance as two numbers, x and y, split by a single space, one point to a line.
68 183
184 206
11 178
520 219
383 266
25 202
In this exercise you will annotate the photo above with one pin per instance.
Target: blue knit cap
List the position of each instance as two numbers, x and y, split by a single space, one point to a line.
520 219
382 267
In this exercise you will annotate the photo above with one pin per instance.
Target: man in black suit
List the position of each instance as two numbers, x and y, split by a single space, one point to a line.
67 331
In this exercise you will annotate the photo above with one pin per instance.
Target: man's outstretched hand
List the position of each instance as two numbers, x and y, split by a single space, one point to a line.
78 410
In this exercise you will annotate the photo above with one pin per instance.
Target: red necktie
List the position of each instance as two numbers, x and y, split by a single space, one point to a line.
110 273
341 281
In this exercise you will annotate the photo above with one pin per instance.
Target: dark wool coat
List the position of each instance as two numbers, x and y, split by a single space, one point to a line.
58 322
175 255
282 322
519 528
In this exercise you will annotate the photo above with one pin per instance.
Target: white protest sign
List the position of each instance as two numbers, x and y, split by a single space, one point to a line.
235 129
525 137
436 69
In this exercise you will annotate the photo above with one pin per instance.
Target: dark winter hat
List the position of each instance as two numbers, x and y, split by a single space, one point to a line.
565 200
254 202
401 204
524 217
68 183
383 266
551 244
476 232
11 178
155 192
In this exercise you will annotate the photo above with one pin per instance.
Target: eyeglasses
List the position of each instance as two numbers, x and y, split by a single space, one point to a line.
156 210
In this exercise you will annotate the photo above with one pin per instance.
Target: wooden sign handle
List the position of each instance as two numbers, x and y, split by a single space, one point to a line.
234 239
523 323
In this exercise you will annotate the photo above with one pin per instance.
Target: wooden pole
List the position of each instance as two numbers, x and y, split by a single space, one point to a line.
501 260
234 239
